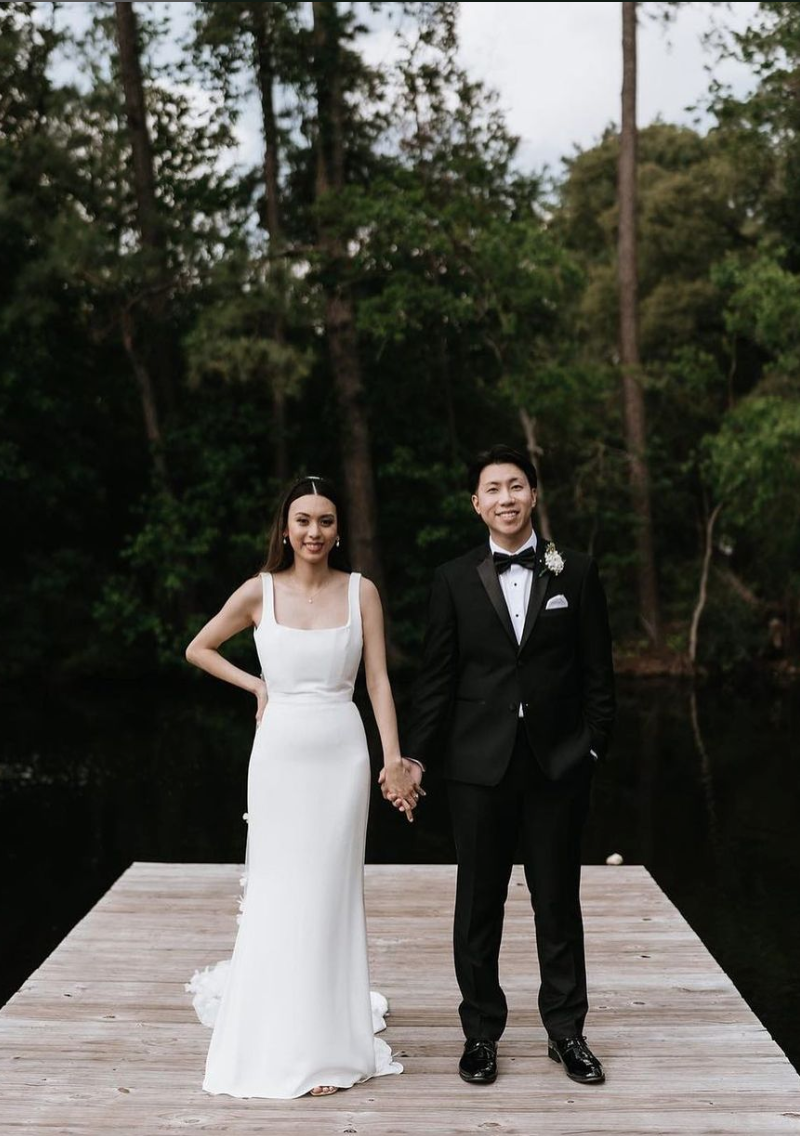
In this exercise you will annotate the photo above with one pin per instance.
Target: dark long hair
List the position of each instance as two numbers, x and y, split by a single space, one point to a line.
280 556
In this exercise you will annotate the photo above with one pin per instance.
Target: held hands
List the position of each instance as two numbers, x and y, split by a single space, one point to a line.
400 783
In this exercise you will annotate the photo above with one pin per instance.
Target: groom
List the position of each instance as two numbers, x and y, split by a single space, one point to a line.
517 688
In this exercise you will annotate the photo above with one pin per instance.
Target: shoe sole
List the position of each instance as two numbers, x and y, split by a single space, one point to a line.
553 1055
477 1080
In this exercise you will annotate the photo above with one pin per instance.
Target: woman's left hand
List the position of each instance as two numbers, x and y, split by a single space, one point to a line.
401 788
261 700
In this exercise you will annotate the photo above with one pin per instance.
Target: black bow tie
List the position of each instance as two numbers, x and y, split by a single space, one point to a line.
504 560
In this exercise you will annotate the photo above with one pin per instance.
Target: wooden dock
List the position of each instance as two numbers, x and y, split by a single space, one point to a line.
102 1039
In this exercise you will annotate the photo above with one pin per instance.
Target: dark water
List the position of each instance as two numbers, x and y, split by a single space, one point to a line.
706 796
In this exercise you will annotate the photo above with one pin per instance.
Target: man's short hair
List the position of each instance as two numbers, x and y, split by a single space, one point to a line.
500 455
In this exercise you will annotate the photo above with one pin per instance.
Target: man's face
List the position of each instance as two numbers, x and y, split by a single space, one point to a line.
504 501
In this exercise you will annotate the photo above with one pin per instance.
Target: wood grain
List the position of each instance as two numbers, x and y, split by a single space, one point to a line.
102 1038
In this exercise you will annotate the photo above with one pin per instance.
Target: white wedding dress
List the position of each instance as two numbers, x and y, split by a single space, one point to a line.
292 1009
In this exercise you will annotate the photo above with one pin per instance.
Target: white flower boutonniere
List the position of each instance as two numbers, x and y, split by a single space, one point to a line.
553 560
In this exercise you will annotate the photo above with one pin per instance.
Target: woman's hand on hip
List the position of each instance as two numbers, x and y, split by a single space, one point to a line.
261 700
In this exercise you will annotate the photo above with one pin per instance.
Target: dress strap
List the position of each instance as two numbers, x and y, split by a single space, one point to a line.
354 600
267 602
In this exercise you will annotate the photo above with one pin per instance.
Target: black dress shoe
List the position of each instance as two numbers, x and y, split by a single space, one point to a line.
478 1063
580 1064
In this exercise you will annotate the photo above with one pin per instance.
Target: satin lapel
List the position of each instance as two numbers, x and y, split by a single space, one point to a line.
488 575
538 589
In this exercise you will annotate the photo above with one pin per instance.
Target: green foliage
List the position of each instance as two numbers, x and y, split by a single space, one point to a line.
763 305
233 336
480 293
734 634
754 467
187 551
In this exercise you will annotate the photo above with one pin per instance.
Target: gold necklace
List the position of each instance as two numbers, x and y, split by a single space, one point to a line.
313 595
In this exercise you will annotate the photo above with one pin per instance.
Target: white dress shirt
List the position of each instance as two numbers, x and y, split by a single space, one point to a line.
515 584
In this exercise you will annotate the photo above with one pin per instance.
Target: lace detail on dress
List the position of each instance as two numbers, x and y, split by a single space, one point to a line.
383 1053
207 987
243 877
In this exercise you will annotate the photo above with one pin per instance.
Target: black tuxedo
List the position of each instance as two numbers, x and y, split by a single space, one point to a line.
516 781
474 675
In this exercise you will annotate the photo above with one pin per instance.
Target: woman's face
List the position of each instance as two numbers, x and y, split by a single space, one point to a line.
312 527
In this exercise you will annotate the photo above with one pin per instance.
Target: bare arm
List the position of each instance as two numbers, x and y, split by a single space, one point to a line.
396 779
241 610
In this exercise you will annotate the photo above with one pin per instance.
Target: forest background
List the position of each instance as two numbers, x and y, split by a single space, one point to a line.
385 293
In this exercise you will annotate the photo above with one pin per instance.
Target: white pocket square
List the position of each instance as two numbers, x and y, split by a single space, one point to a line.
555 602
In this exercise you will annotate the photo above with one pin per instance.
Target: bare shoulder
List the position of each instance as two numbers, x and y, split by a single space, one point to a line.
251 588
369 595
368 588
238 612
247 595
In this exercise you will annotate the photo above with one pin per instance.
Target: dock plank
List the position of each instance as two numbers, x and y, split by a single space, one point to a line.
103 1037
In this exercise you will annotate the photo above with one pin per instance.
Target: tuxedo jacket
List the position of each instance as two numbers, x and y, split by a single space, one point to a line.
474 675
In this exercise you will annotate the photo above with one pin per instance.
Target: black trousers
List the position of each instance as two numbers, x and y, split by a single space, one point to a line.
545 819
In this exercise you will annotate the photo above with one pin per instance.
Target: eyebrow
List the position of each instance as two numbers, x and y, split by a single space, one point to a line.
323 516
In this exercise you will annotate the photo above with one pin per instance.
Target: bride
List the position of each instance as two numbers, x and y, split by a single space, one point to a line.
295 1014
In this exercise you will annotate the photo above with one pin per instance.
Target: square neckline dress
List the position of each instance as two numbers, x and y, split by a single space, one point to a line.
292 1008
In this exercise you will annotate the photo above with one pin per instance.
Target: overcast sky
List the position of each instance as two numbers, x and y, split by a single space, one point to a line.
556 67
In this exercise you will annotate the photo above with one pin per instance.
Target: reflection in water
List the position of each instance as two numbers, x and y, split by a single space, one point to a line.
706 775
650 720
91 782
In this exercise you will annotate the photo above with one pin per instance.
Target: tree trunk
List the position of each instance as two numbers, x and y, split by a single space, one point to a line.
138 133
354 433
155 360
703 590
630 364
263 18
534 453
742 590
152 427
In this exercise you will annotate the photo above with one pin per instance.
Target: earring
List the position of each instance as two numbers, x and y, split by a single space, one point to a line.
338 541
285 540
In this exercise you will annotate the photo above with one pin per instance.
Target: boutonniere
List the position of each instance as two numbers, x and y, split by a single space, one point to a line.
553 560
